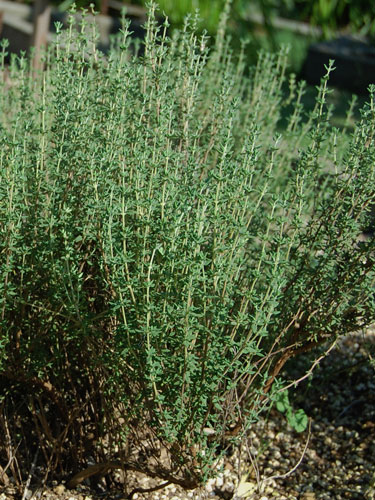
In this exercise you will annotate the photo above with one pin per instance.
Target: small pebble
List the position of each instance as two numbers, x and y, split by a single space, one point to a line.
59 489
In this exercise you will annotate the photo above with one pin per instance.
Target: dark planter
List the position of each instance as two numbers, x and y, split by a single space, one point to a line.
354 63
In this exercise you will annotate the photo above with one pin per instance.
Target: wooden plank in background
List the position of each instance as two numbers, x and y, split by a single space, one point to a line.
42 17
104 7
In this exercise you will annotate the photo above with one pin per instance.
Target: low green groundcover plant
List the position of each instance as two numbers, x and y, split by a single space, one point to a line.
165 249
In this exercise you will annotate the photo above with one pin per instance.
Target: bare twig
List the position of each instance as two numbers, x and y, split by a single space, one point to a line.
147 490
253 461
4 479
3 476
353 403
105 467
282 476
26 490
310 370
11 452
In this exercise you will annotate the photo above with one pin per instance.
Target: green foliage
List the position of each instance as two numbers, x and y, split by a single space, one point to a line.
65 5
209 11
331 15
164 251
296 419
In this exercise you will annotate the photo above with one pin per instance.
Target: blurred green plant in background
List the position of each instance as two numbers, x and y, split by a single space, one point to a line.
330 15
259 21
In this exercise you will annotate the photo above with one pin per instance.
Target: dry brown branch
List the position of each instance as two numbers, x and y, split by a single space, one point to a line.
105 467
26 489
282 476
147 490
4 479
11 453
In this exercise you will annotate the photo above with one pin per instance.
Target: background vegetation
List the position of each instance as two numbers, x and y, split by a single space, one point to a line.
256 20
331 15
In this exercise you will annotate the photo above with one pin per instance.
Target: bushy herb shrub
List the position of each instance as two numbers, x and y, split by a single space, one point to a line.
165 250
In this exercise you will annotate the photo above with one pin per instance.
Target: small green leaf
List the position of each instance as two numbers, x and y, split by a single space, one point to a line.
300 420
282 402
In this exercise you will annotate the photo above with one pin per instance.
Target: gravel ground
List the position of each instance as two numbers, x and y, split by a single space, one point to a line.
335 459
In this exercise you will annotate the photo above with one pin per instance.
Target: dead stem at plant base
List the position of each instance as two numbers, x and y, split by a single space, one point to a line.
337 463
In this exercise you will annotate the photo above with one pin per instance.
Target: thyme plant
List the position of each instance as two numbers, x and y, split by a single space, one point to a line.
165 249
